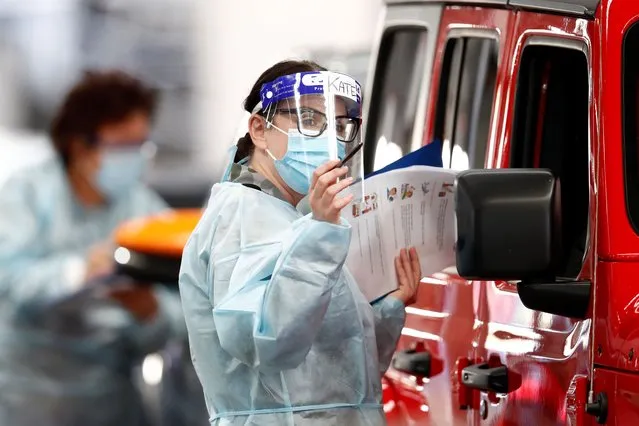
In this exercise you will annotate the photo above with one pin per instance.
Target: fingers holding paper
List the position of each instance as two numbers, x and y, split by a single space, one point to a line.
409 274
324 198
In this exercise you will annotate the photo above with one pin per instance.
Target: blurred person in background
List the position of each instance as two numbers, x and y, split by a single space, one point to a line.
68 344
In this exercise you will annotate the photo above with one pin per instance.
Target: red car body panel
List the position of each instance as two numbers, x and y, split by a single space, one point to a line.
552 356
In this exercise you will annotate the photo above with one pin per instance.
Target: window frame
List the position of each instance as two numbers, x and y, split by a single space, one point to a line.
384 53
575 45
441 125
629 126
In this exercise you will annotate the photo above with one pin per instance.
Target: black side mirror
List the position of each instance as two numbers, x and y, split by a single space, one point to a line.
508 224
509 228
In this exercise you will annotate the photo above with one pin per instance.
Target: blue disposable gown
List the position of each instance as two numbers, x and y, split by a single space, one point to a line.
67 364
280 333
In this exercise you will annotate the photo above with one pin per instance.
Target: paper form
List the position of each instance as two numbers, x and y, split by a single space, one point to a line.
409 207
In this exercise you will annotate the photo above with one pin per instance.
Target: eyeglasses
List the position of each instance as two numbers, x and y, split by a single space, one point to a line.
312 123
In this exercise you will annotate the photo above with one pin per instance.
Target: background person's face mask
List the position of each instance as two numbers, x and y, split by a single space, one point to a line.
303 155
119 172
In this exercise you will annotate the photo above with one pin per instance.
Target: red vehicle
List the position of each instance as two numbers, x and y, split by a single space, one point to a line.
537 100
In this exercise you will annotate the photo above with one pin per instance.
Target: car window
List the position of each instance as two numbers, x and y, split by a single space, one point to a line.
396 91
465 101
631 122
550 131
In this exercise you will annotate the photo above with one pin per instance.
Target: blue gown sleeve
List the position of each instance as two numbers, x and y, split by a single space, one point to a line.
389 321
269 299
28 274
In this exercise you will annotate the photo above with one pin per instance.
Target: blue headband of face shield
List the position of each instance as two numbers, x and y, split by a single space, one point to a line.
326 83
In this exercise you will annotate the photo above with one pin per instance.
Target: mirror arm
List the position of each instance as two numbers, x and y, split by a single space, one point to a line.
565 298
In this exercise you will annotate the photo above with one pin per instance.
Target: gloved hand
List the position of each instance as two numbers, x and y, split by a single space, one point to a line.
409 274
99 261
140 301
325 204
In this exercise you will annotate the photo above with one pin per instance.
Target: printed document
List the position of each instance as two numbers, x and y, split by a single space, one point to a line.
408 207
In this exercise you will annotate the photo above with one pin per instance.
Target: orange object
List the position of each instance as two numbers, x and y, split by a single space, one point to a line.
163 234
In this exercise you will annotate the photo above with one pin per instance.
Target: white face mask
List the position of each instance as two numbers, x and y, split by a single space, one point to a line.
120 171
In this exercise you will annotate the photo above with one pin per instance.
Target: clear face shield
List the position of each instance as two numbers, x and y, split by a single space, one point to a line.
318 118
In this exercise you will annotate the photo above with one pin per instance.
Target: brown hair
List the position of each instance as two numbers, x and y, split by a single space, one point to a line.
245 145
99 98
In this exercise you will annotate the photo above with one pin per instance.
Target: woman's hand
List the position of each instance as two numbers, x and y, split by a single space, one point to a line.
325 204
409 274
140 301
99 261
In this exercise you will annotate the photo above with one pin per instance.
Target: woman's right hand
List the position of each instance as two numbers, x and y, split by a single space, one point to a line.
140 301
99 261
325 203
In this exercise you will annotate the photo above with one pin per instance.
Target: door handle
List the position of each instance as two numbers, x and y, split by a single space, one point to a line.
413 362
489 379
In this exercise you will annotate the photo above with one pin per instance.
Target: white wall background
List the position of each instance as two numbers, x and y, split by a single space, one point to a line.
234 41
45 33
238 39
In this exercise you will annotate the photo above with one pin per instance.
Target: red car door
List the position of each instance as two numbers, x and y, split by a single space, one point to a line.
616 304
394 126
547 120
468 74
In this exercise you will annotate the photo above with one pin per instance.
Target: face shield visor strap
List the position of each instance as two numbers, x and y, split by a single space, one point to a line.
232 153
230 158
257 108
